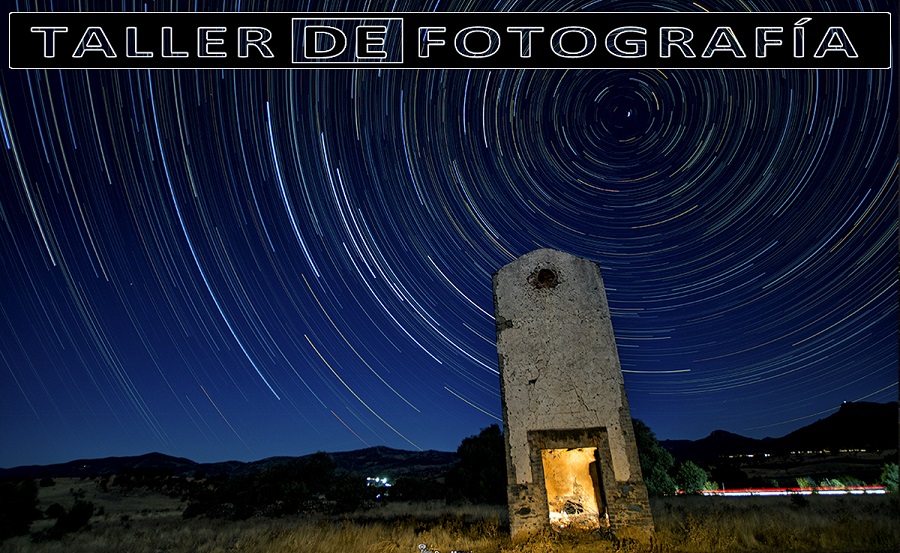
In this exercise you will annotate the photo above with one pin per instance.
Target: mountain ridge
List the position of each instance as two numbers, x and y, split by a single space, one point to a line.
860 425
856 425
381 459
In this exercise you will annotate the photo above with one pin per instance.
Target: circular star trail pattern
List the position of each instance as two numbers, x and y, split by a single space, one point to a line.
239 264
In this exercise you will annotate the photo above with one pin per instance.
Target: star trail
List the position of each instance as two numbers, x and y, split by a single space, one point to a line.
237 264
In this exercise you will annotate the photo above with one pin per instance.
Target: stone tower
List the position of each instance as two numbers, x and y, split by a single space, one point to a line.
571 456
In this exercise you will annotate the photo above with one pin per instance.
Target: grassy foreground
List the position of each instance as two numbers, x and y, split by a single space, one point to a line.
684 524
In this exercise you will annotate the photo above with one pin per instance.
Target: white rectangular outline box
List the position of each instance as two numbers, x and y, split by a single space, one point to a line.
373 63
392 65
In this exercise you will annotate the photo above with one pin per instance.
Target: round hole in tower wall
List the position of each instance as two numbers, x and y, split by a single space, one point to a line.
546 278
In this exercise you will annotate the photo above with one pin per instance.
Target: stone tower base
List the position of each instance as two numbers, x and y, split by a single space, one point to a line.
569 489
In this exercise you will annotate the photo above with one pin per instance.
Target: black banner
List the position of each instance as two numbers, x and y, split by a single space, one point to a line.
496 40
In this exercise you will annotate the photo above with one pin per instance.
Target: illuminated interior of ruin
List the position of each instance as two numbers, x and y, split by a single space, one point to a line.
574 496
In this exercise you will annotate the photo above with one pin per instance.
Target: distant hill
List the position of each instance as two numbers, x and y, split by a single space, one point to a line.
719 442
855 426
373 461
860 425
90 468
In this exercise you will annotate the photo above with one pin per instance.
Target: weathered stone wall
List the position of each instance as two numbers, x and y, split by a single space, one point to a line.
562 386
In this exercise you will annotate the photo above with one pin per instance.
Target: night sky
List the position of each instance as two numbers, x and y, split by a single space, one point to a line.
241 264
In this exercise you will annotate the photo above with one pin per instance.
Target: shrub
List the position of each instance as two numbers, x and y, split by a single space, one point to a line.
831 483
851 481
710 485
806 482
77 517
67 522
55 511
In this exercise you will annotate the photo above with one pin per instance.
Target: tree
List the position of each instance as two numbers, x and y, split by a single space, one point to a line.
349 492
18 507
889 477
656 462
690 477
480 475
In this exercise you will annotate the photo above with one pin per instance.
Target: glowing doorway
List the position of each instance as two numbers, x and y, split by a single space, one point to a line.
574 489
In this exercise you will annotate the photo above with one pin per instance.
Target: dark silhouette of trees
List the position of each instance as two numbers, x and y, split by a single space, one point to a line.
480 476
408 488
157 479
18 507
889 477
302 485
661 474
656 462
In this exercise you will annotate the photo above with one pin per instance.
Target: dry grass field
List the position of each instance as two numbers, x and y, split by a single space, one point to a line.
143 522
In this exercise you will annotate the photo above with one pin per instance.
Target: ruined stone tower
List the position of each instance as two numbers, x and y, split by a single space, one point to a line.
571 456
